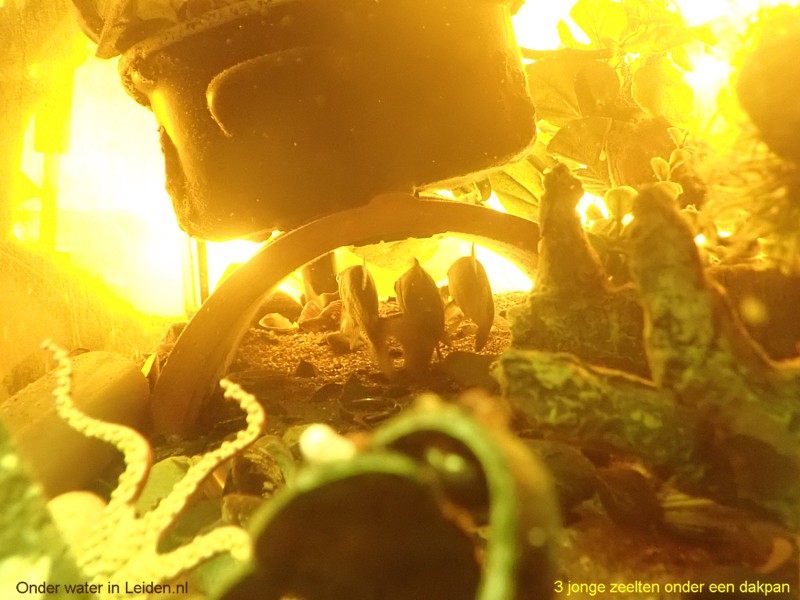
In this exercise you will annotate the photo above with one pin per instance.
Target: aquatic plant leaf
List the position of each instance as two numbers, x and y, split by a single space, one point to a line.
661 90
551 82
619 201
581 140
596 86
631 146
514 196
600 19
518 186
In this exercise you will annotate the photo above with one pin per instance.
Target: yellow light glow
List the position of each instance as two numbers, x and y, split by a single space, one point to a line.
709 72
503 274
494 203
586 202
445 194
19 231
535 25
114 216
220 255
709 76
700 239
698 12
26 221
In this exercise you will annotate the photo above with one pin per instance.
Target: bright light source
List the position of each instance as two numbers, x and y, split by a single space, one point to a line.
586 203
710 74
696 13
535 25
114 216
221 255
494 203
504 275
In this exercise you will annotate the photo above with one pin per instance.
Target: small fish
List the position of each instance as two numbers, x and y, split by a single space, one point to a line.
470 289
420 327
360 316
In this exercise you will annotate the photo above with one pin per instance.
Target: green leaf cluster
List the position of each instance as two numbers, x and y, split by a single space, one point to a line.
650 40
608 108
632 26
